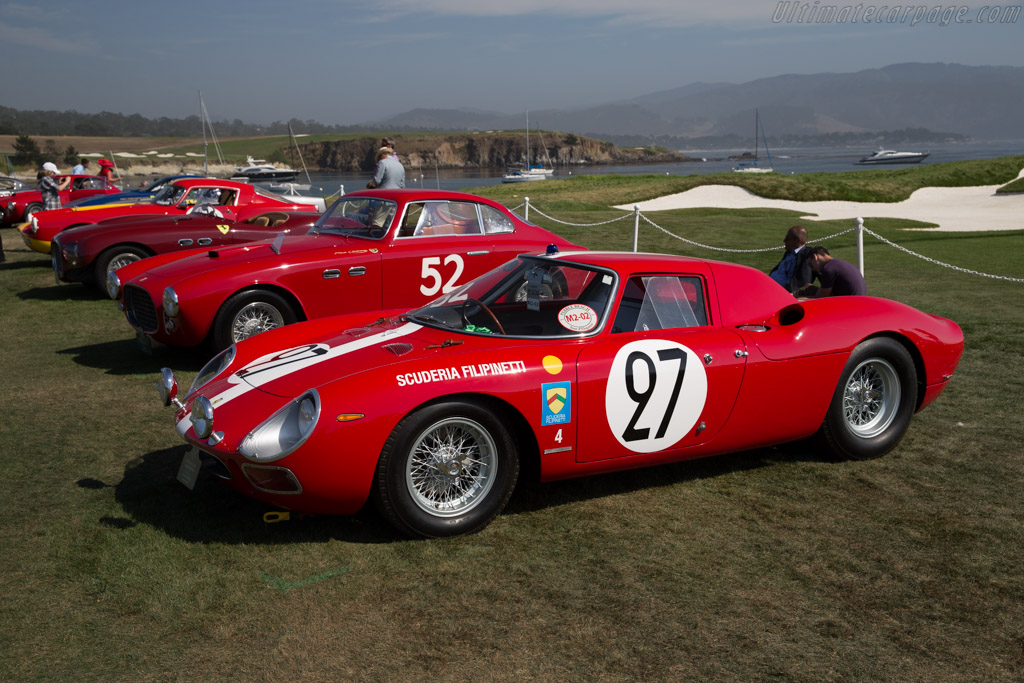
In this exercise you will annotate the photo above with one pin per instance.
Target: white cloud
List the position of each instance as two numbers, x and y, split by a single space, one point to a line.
662 13
40 39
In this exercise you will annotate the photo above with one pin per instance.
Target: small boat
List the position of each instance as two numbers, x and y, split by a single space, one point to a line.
891 156
529 171
754 166
523 176
259 169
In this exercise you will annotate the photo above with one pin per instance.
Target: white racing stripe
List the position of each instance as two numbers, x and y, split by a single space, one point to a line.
280 364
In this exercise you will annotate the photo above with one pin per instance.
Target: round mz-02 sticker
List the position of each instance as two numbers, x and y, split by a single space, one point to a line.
655 394
578 318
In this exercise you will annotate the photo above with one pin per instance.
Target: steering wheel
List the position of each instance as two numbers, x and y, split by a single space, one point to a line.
483 307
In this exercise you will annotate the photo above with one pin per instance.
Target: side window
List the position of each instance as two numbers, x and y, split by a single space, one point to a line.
427 219
656 302
495 221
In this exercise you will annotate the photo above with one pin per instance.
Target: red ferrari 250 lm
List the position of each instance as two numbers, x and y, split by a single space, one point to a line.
21 206
88 253
371 251
222 198
577 363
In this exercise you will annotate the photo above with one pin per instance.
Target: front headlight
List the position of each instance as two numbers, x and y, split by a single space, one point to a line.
171 302
35 224
70 252
284 431
113 285
214 367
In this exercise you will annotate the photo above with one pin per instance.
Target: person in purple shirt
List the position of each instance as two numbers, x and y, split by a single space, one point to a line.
837 277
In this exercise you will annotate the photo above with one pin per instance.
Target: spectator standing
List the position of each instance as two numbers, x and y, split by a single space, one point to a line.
389 172
107 171
49 188
837 277
79 168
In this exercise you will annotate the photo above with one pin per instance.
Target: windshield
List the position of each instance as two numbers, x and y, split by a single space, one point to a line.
170 194
364 217
531 296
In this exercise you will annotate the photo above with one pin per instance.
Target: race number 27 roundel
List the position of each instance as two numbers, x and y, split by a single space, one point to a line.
655 393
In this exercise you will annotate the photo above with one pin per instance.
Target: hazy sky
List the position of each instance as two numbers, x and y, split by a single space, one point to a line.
341 62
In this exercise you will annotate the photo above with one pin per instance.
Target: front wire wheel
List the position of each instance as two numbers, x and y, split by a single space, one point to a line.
253 318
446 470
873 402
249 313
451 468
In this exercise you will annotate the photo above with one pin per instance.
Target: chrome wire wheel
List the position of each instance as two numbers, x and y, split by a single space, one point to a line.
253 318
452 467
122 259
871 398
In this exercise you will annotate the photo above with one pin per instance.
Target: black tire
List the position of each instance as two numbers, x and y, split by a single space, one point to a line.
248 313
873 402
426 486
26 215
112 259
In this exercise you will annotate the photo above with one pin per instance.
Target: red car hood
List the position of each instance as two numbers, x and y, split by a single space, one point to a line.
256 253
291 360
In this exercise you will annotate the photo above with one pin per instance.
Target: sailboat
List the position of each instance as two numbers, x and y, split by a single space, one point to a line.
528 172
754 166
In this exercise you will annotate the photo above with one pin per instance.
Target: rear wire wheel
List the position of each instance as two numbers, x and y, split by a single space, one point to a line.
873 402
446 470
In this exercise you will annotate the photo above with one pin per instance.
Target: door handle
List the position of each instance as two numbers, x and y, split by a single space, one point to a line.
185 243
356 271
331 273
205 241
477 253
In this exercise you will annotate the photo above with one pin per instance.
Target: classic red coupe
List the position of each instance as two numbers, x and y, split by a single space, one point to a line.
372 251
21 206
222 198
88 253
577 364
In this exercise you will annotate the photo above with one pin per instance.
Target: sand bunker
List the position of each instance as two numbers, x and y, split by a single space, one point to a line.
952 209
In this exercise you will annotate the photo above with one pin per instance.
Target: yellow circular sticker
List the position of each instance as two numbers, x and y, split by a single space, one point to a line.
552 364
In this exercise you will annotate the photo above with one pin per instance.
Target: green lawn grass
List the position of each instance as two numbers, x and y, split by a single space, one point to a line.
768 564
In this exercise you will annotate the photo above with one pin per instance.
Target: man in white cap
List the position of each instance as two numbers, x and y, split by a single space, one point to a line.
49 188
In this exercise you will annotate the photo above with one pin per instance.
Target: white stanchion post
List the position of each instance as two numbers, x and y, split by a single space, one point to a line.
860 245
636 227
526 211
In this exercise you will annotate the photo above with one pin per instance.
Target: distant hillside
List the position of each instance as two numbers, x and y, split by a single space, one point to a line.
983 102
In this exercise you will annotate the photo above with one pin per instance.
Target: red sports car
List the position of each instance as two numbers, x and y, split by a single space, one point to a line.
372 251
20 207
89 252
577 364
222 198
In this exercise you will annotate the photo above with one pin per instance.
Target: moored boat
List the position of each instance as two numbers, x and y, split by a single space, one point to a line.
891 156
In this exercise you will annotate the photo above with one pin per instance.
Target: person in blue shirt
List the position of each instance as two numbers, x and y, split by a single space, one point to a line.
794 269
79 168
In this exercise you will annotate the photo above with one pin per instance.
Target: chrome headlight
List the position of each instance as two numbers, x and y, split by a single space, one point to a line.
170 302
113 285
202 417
284 431
70 252
35 224
214 367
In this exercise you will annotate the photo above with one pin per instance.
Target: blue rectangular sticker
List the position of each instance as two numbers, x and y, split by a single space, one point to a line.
556 400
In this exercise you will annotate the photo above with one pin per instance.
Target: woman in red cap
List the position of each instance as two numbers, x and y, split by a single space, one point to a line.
107 170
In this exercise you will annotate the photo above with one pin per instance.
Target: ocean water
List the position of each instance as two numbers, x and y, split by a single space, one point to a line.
786 160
